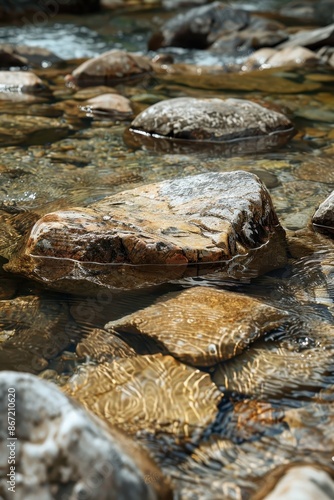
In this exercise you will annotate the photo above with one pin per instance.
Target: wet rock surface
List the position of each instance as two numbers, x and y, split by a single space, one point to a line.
202 326
323 219
108 68
211 120
152 394
290 56
60 449
33 331
298 364
20 81
274 409
141 236
200 26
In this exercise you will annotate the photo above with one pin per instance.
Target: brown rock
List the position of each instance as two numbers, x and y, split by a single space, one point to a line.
312 39
109 105
148 393
20 81
156 233
268 370
290 56
101 346
108 68
202 326
34 331
20 55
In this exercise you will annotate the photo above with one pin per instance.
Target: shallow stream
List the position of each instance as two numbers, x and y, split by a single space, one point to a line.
46 165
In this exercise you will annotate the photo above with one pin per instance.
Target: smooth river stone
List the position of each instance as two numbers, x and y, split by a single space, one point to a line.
211 120
62 451
148 393
109 68
156 233
202 326
109 105
271 58
20 81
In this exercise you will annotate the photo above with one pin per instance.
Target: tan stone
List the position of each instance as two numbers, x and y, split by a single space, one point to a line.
156 233
202 326
148 393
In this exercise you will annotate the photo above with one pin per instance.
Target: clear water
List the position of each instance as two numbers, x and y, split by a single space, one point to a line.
88 159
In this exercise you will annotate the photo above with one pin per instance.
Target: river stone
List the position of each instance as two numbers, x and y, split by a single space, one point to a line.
202 326
33 331
199 27
323 218
290 56
273 370
260 32
156 233
109 105
109 68
312 39
152 394
20 81
21 55
211 120
64 452
101 346
298 482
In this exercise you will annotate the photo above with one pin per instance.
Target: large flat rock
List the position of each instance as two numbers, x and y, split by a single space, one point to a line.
202 326
157 233
61 451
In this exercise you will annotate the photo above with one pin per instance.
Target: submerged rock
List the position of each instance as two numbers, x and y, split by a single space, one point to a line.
109 68
61 451
323 219
202 326
151 394
156 233
212 121
33 331
20 81
271 370
101 346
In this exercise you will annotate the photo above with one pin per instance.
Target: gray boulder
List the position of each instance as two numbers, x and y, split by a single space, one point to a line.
59 450
213 121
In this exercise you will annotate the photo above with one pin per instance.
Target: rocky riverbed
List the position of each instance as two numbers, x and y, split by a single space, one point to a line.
166 250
